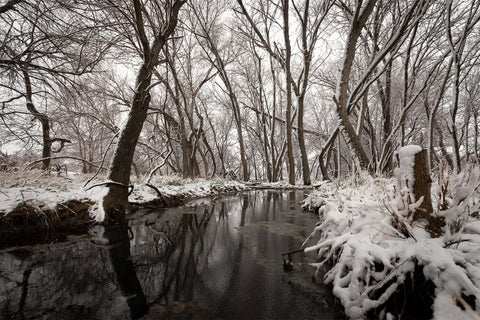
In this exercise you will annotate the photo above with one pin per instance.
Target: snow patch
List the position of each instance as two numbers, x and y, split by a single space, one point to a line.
404 173
96 194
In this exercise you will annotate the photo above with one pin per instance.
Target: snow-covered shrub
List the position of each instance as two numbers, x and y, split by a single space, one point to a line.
371 255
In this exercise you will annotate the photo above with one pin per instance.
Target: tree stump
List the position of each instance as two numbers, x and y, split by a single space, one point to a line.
422 188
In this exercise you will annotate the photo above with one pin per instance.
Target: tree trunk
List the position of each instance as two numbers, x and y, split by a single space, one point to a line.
476 134
385 94
301 143
453 114
422 188
443 149
341 96
361 117
117 196
275 169
44 121
241 143
187 168
288 113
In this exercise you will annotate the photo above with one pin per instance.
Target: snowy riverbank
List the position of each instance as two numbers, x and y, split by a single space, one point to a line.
46 191
369 260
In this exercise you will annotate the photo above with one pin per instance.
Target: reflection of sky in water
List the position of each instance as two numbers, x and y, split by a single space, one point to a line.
223 255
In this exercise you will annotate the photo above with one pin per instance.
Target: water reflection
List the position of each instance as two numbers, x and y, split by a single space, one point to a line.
126 277
218 259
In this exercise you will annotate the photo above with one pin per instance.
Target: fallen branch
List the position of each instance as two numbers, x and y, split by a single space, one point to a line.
106 183
287 263
380 283
467 307
159 194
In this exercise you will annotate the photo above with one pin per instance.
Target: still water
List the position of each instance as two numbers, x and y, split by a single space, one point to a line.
215 259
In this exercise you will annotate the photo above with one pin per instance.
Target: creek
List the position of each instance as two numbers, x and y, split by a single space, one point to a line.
210 259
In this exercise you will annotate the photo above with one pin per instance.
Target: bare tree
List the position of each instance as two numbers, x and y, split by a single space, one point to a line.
161 20
207 19
284 57
469 16
44 46
346 99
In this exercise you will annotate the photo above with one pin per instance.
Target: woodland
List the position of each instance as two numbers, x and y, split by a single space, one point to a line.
260 90
339 96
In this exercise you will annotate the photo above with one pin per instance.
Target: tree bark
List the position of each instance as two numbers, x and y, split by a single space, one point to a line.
385 94
422 185
422 188
117 197
288 112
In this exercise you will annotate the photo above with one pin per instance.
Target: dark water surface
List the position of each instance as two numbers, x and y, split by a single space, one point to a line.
217 259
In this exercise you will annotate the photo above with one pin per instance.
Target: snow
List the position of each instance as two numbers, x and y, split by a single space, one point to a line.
174 185
37 186
404 173
356 235
46 190
97 194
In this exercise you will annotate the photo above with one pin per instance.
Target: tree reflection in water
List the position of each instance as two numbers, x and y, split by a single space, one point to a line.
126 276
219 259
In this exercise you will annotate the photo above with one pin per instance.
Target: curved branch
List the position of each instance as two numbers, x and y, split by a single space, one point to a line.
62 144
157 167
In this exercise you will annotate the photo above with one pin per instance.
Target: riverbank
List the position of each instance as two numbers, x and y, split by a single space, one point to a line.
382 264
37 201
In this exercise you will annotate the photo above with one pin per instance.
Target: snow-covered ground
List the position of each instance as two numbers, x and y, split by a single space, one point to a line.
173 185
371 258
47 190
36 186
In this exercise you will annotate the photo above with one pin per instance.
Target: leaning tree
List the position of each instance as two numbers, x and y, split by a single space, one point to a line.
151 25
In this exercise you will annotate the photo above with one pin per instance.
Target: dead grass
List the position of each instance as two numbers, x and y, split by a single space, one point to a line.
34 214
